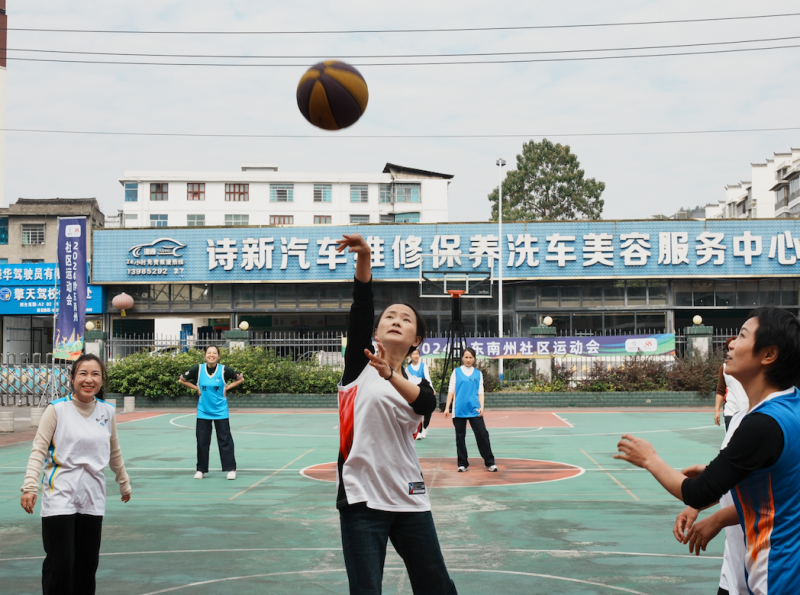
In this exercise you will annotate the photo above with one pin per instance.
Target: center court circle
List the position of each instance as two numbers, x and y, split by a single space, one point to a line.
440 472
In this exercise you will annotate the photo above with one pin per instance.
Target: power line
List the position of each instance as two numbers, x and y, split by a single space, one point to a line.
375 56
439 63
441 30
410 136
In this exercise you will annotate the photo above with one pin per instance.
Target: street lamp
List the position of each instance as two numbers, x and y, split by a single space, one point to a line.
501 163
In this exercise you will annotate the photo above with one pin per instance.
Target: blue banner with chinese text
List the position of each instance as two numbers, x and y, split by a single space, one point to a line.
68 338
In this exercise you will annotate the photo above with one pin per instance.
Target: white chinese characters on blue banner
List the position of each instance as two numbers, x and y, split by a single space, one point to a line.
71 247
553 250
31 289
519 347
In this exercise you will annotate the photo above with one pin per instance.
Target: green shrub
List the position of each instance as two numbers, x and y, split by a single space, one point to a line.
264 373
634 374
697 373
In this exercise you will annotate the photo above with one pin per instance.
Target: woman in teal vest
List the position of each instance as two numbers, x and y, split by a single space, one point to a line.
211 382
466 387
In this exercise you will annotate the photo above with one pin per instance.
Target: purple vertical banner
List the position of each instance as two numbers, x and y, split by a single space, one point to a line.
68 339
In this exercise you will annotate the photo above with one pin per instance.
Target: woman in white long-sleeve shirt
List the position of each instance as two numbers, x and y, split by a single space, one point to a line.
76 440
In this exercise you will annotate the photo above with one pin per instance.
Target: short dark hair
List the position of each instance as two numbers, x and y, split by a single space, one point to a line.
209 347
90 357
470 350
422 328
782 329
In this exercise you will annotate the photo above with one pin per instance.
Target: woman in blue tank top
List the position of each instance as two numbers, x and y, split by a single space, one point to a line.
466 388
211 382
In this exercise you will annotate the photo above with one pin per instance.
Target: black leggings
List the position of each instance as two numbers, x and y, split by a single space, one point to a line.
72 544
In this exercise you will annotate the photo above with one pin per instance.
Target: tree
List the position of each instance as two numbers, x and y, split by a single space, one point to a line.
548 185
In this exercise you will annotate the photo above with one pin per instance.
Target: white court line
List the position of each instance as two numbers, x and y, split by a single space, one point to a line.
562 419
495 431
630 469
340 570
130 421
584 553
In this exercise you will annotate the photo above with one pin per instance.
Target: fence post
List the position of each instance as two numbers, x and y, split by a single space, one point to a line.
237 339
96 343
542 332
699 340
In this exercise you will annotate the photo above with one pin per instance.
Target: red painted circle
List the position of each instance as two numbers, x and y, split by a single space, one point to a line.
442 472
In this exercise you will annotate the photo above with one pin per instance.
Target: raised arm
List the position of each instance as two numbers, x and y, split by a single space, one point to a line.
362 311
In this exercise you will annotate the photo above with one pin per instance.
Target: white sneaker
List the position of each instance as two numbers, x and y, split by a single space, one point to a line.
231 474
423 433
462 469
492 468
199 475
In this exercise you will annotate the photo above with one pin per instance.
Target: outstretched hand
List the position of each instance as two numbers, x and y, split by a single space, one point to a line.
378 361
635 450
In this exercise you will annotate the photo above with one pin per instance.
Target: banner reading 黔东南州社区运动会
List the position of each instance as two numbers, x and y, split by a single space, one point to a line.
531 347
68 338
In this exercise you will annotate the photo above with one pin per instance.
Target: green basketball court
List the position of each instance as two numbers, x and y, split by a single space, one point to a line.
561 516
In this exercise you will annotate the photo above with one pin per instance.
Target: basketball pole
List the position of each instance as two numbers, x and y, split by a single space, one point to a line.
500 164
456 342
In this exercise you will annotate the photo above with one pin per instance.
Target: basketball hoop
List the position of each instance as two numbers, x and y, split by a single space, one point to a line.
456 293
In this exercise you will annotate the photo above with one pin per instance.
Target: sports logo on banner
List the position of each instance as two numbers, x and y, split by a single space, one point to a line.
68 339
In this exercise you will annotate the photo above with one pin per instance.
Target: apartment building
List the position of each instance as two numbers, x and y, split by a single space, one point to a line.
260 194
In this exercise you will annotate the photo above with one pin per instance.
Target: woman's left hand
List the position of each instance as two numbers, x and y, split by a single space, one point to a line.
635 450
378 361
480 412
126 497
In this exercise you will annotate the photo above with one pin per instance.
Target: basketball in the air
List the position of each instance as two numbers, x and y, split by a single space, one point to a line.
332 95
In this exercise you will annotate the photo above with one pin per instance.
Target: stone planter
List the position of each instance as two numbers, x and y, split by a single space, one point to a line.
36 416
111 402
6 421
130 405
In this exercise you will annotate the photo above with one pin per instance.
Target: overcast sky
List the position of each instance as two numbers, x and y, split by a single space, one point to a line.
644 175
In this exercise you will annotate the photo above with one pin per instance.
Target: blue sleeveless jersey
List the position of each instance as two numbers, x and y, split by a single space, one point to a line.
418 373
768 503
467 387
213 403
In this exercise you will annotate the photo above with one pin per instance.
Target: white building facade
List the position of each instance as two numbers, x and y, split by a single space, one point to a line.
787 185
262 195
772 191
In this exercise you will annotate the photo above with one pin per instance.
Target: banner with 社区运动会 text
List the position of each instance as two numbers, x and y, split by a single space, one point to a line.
71 246
528 347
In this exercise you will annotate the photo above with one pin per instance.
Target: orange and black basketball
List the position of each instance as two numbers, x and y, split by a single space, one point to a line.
332 95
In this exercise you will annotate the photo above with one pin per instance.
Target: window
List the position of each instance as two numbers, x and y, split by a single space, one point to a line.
322 219
158 220
406 218
322 193
32 260
407 192
386 193
196 220
237 192
3 231
131 191
281 219
131 217
234 219
159 191
3 261
387 218
281 192
33 233
196 191
359 218
359 193
130 220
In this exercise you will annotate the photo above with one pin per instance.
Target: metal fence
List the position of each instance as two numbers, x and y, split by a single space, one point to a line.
28 379
295 345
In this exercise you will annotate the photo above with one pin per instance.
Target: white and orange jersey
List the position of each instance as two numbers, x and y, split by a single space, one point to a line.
768 503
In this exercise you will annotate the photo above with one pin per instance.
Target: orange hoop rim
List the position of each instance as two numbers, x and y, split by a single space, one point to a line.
456 292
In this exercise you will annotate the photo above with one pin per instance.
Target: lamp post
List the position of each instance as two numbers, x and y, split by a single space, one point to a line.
501 163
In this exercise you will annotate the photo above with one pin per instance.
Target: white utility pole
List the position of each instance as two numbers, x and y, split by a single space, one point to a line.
501 163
